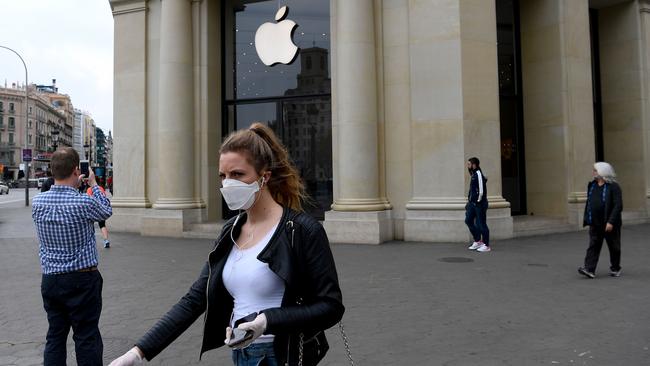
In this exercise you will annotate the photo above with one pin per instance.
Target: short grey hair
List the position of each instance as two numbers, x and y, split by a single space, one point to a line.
605 171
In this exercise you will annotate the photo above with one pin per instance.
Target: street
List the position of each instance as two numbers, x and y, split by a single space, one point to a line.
406 303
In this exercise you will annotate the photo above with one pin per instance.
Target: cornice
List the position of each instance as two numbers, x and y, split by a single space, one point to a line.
120 7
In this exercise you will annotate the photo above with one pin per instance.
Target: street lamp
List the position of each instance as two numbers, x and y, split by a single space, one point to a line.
55 139
26 118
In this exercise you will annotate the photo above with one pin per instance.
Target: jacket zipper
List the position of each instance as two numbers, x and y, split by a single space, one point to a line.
207 288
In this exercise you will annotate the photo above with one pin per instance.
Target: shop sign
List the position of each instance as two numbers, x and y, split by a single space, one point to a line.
274 41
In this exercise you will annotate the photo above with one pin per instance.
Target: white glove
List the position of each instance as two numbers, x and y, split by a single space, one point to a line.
257 326
131 358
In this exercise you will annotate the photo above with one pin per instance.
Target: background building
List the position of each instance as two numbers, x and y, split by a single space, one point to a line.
47 111
398 94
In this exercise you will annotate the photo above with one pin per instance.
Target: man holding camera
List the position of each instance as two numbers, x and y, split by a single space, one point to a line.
71 285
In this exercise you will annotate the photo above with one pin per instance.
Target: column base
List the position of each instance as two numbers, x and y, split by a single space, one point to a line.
127 219
178 203
367 227
361 204
170 223
443 221
130 202
576 208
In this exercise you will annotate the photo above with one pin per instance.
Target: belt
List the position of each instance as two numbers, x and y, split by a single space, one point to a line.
88 269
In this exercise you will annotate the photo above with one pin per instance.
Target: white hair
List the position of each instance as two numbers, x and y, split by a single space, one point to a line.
605 171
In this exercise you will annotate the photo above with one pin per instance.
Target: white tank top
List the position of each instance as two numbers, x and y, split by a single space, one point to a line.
251 283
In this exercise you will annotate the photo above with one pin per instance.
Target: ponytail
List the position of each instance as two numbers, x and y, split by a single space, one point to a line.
264 151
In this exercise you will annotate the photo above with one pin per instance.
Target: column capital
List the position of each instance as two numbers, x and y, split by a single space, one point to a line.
120 7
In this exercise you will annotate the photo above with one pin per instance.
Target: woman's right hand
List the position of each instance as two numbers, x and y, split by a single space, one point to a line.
131 358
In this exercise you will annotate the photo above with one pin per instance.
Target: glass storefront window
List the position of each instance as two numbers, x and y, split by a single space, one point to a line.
294 100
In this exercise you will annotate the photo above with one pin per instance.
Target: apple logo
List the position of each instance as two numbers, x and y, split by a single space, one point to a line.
273 41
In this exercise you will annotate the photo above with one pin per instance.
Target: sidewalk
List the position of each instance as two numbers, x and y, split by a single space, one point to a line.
407 303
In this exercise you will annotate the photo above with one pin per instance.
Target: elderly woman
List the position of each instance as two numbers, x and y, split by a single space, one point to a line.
603 216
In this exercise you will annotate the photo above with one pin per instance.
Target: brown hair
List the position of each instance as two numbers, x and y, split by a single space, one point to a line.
264 151
64 161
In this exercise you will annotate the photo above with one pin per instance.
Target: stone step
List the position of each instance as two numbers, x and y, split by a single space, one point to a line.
540 225
207 230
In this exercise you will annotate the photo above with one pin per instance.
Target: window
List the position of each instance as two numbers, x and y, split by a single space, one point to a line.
11 107
29 139
11 138
30 110
12 122
30 123
1 121
1 106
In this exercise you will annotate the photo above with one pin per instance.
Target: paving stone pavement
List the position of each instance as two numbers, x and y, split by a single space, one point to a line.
407 303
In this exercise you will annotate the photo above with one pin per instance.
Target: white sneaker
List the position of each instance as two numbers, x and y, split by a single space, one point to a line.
483 248
475 245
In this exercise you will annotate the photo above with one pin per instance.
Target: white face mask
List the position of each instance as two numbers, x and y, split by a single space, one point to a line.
239 195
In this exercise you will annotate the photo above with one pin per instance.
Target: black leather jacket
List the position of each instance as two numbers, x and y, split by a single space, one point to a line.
299 253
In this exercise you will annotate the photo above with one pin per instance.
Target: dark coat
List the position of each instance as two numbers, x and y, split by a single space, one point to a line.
613 204
474 193
309 275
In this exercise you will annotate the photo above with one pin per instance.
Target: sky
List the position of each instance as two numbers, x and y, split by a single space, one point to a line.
67 40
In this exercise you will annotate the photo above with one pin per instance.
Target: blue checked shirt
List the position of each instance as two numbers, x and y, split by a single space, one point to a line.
64 220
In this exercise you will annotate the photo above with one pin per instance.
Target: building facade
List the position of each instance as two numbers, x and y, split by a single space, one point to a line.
383 106
47 111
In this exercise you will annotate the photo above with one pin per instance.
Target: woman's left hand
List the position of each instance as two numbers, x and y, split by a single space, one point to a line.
257 326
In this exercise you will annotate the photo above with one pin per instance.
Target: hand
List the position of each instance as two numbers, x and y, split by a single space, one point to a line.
131 358
91 178
257 326
609 227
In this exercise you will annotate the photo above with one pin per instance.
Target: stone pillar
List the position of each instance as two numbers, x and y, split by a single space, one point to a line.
176 108
644 10
454 115
622 84
558 106
129 117
397 116
358 211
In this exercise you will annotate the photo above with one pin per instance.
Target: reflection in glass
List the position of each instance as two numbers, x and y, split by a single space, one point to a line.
294 100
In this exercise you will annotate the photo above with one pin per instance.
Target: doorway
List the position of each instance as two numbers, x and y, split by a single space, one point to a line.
513 175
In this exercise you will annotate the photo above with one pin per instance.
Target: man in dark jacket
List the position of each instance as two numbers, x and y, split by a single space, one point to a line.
476 208
603 216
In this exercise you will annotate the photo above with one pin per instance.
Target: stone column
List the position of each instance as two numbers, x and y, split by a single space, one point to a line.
644 9
558 106
358 211
176 109
622 84
454 116
129 117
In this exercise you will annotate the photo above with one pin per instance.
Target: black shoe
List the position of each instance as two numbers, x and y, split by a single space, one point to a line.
583 271
107 244
615 273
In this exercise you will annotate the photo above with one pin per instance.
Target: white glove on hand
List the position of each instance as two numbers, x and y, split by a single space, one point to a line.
257 326
130 358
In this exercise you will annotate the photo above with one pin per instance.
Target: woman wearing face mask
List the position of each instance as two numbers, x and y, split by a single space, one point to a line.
271 274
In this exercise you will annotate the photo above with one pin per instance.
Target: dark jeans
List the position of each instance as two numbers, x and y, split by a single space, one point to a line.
476 221
613 239
257 354
73 300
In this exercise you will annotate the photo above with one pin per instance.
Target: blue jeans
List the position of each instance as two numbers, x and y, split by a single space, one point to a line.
73 300
476 221
257 354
